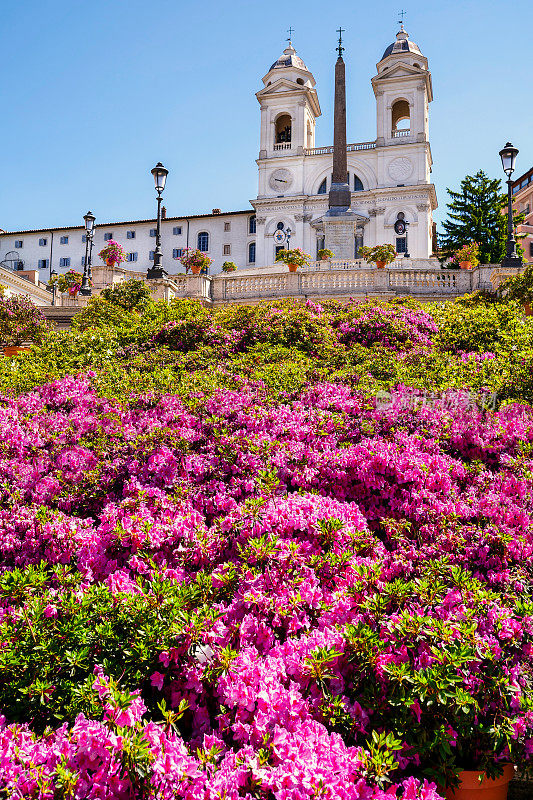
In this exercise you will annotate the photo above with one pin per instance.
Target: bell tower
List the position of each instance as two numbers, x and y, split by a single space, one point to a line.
403 92
289 107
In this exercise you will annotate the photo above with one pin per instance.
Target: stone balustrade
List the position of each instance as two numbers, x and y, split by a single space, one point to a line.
418 278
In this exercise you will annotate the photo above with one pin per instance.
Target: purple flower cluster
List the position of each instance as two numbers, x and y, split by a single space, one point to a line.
355 560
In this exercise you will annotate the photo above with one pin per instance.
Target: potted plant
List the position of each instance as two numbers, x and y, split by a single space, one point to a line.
113 253
520 288
196 261
453 682
380 255
325 255
293 258
69 282
20 322
467 256
228 266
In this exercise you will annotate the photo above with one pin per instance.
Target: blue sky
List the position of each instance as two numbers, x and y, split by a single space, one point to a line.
93 94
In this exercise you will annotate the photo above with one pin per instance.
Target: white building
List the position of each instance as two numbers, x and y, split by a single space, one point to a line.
390 177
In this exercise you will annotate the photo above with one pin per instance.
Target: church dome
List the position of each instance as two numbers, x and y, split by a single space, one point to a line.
289 59
402 45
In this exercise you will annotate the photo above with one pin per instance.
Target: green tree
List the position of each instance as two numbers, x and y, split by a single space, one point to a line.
475 214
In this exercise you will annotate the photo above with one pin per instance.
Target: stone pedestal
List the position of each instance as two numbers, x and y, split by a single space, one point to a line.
339 231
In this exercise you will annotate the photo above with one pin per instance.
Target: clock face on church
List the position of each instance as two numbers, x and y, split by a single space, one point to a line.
280 180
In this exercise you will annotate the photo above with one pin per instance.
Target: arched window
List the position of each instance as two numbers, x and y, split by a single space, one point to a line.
251 253
252 224
401 118
283 129
203 241
323 188
280 226
299 81
358 184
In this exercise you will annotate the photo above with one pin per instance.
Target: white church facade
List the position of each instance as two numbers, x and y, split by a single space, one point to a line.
389 177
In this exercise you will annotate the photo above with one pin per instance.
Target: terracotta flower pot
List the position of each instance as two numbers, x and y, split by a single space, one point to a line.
195 269
15 349
381 264
528 311
471 788
292 267
465 264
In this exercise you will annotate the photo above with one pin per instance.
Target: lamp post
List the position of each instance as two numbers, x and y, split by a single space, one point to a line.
160 176
86 281
288 232
508 156
53 286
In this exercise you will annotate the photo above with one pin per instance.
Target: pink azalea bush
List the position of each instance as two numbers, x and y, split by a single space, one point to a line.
245 594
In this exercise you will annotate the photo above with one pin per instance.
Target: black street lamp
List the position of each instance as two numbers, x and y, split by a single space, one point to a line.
288 232
160 176
53 286
508 156
86 281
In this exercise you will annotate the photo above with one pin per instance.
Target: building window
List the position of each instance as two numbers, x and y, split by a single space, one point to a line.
83 261
43 242
279 247
227 250
401 245
251 253
280 226
107 236
322 189
358 245
132 256
43 263
64 262
151 255
227 226
19 244
531 249
203 241
153 232
252 224
177 230
357 184
63 240
177 252
84 238
130 235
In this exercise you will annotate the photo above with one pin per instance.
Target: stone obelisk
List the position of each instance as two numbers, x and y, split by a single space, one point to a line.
340 221
339 193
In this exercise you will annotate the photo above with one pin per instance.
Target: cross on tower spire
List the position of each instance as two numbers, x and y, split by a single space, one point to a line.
340 48
290 31
401 14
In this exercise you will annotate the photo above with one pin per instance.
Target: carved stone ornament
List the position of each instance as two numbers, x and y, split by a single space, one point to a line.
422 206
308 217
260 220
298 217
401 168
